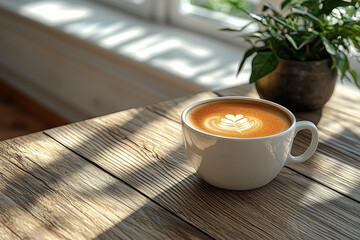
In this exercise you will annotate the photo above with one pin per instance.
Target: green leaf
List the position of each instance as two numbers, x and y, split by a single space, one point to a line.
315 32
291 22
282 22
292 41
351 11
245 26
342 63
307 41
229 29
273 9
285 3
256 17
333 62
247 54
257 34
330 48
249 41
237 30
263 64
275 35
355 43
306 14
352 77
329 5
310 4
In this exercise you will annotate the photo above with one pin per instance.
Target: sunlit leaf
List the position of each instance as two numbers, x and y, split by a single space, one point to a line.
355 43
283 23
271 7
329 5
291 40
275 34
263 64
310 4
285 3
307 41
330 48
342 63
352 77
305 14
247 54
256 17
350 10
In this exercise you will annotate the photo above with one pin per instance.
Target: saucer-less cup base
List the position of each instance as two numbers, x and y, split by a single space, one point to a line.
243 163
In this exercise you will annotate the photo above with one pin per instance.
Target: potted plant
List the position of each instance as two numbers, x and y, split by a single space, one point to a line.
300 50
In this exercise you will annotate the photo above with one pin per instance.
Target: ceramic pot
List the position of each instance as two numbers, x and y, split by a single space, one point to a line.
299 86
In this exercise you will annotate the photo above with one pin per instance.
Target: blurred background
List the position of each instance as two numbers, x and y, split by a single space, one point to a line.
68 60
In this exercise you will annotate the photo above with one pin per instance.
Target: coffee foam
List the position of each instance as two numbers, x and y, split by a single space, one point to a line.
238 118
233 123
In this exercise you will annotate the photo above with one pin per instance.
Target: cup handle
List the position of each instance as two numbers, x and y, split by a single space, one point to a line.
302 125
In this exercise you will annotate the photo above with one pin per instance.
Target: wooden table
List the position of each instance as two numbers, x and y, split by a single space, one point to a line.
126 176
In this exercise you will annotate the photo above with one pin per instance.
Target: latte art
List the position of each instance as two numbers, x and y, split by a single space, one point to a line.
230 122
238 118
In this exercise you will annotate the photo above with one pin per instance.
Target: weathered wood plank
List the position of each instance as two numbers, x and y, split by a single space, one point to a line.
49 192
146 151
337 160
6 233
345 100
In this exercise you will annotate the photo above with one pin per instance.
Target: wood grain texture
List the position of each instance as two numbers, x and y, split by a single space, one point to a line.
144 148
48 192
336 162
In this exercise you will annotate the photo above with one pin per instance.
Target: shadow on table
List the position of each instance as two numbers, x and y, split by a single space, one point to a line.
189 198
312 116
335 166
43 178
203 205
270 202
240 90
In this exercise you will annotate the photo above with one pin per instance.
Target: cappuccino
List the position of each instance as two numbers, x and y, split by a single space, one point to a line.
238 118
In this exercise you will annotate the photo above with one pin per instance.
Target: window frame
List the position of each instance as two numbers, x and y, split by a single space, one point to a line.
182 13
142 8
198 19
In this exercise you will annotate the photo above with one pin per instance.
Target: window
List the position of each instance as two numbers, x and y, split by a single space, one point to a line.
206 18
225 6
202 16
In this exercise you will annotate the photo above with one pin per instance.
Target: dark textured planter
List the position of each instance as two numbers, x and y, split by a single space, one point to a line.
299 86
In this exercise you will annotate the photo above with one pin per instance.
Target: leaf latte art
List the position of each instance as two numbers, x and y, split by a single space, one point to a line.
238 118
234 123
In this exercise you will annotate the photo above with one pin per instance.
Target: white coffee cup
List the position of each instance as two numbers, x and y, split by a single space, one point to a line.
243 163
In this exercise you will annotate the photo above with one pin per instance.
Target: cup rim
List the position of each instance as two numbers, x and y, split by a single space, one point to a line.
287 111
